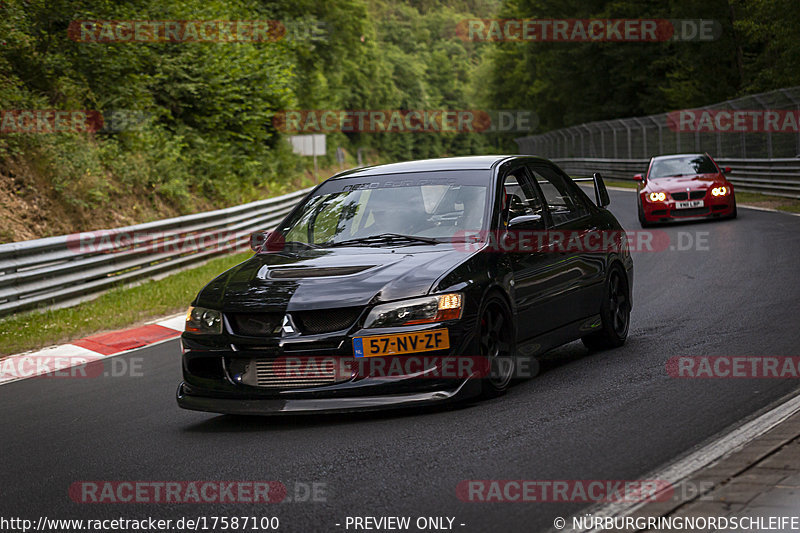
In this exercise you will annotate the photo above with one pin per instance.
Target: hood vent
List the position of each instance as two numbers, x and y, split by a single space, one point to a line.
314 272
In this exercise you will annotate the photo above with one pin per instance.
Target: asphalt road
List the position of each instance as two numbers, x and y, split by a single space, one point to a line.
613 415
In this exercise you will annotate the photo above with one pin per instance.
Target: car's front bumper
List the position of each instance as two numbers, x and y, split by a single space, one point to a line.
213 380
713 207
189 399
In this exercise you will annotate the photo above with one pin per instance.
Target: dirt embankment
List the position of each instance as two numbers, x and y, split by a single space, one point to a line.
30 208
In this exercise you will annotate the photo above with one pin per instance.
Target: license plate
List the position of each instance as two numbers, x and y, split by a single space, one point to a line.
423 341
689 204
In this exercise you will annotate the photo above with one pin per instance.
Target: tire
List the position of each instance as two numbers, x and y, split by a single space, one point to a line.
733 215
496 341
615 313
643 221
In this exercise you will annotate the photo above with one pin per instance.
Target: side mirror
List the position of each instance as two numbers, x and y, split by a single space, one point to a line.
726 170
600 191
266 241
638 177
526 221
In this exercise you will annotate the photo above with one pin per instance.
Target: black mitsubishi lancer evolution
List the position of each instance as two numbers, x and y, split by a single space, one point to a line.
409 284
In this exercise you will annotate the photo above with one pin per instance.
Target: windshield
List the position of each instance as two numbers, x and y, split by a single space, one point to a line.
430 206
682 166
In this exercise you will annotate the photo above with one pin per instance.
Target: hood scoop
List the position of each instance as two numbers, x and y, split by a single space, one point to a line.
314 272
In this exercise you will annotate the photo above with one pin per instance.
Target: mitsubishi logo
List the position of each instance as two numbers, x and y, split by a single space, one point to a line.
287 326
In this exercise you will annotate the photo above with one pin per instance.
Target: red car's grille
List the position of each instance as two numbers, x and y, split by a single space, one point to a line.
693 212
693 195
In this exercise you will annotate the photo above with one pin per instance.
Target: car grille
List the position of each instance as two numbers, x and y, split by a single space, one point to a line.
255 324
286 373
693 212
326 320
309 322
693 195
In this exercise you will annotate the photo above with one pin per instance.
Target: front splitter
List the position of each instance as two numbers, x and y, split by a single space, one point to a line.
275 406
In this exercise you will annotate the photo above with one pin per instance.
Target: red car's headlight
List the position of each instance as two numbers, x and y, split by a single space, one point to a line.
720 191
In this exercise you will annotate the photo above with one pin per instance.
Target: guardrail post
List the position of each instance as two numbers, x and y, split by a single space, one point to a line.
630 146
644 136
603 142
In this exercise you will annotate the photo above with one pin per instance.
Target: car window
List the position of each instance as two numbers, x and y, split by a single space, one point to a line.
520 198
669 167
327 217
436 207
563 203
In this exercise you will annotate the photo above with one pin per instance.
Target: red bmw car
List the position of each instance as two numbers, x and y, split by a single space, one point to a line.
684 186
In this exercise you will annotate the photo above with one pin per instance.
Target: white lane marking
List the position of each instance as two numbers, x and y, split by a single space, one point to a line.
703 457
610 188
770 210
92 356
10 366
176 322
67 351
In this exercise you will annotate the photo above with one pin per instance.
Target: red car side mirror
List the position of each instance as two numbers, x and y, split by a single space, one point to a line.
638 177
726 170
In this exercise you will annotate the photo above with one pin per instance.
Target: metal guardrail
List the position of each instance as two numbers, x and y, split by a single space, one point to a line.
662 133
64 269
776 177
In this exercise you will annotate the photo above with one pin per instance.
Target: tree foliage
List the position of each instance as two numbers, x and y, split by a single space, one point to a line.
209 134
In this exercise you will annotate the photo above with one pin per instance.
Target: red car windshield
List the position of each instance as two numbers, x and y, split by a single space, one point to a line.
690 165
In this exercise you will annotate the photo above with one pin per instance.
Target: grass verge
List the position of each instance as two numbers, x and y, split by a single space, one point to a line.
118 308
755 199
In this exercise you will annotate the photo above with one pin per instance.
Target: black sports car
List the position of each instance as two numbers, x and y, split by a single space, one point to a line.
383 277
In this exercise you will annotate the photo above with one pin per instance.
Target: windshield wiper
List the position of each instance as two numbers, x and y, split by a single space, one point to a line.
385 238
306 244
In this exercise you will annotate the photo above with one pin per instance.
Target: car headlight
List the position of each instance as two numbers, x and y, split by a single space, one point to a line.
720 191
202 320
417 311
657 196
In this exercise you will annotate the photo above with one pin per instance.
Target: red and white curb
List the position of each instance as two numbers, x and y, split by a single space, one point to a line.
57 359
